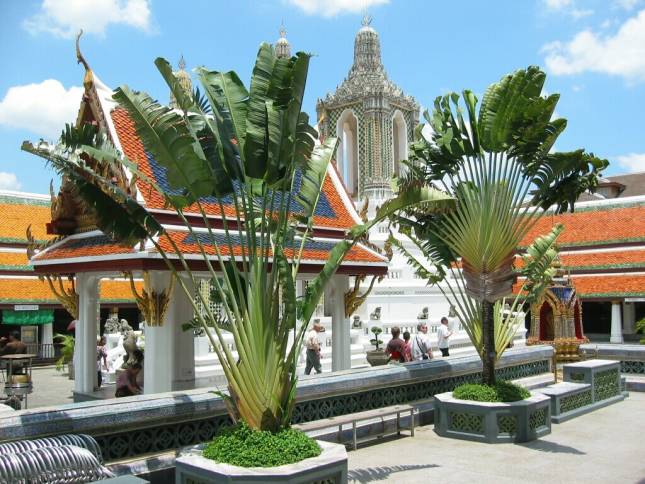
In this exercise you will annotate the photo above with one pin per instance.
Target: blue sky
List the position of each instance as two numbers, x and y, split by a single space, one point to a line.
593 52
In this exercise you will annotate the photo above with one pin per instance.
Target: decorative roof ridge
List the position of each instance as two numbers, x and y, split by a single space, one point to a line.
604 204
24 198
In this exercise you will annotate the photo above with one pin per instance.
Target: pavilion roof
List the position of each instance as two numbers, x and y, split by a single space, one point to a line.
335 212
19 210
23 290
611 222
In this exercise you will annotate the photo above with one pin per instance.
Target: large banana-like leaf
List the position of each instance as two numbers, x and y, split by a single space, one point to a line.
167 137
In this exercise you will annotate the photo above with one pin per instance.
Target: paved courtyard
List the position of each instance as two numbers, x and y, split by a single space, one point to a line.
51 387
605 446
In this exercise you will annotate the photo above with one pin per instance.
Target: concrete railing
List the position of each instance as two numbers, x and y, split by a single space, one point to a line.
145 424
631 357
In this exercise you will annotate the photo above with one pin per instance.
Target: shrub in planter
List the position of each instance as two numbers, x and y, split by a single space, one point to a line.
377 356
502 391
245 447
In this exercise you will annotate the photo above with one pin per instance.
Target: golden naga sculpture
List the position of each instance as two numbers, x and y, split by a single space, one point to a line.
67 296
152 304
354 300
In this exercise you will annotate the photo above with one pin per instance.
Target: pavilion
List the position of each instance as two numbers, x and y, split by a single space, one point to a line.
88 254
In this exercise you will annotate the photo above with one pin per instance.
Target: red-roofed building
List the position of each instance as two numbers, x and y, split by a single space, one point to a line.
27 303
88 254
603 248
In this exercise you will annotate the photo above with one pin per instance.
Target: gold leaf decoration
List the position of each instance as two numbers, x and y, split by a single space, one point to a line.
152 304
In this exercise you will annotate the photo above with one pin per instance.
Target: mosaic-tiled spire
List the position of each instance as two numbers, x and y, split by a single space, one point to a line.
184 80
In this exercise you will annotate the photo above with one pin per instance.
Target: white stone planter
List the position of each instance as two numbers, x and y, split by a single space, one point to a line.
492 422
329 466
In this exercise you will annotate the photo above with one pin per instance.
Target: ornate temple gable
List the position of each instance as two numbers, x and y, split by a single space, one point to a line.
373 118
68 213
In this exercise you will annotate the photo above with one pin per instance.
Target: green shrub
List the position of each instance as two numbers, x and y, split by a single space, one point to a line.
244 447
503 391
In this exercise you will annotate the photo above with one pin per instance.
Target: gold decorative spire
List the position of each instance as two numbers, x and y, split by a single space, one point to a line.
367 19
89 76
184 80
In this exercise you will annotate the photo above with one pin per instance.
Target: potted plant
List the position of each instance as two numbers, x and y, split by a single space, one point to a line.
500 167
66 342
377 356
249 154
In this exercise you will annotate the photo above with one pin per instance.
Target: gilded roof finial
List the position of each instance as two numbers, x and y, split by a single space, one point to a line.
283 31
367 19
182 63
89 77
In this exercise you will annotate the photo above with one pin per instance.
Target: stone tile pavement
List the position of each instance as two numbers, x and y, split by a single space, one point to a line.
604 446
51 387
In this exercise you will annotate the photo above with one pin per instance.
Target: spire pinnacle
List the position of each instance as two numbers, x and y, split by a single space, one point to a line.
367 19
283 31
182 63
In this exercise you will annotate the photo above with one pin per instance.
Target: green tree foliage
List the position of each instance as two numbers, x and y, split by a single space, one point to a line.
498 162
253 146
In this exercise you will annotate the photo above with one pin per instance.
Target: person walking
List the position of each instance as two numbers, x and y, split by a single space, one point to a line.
421 349
313 350
443 334
396 346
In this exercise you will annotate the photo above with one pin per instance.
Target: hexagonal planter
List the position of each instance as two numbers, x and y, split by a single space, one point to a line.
329 466
492 422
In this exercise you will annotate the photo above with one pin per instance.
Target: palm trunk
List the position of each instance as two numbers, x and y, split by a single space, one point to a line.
489 354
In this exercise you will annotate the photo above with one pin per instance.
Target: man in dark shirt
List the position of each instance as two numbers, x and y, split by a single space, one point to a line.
396 346
14 346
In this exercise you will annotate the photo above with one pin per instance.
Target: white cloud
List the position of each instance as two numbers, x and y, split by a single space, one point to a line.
9 181
621 55
41 108
329 8
626 4
557 4
64 18
633 162
578 13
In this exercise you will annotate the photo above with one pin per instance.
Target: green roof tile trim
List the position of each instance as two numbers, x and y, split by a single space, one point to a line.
10 200
593 243
55 301
605 266
13 240
16 268
611 294
604 208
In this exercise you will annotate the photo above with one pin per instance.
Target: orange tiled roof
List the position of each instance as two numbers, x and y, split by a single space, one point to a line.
605 286
622 259
594 225
18 213
14 261
330 213
85 247
37 291
314 249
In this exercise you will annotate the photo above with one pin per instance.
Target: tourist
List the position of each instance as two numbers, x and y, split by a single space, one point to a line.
313 350
13 346
421 349
407 348
396 346
126 383
101 359
443 335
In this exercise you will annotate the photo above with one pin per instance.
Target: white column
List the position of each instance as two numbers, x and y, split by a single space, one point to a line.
180 311
629 318
169 362
341 357
85 375
48 334
616 324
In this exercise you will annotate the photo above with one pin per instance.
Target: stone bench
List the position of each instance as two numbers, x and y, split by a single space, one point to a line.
354 418
588 385
568 400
